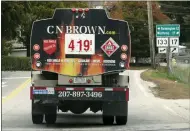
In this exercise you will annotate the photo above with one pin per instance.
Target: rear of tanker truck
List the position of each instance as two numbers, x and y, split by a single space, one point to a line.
77 57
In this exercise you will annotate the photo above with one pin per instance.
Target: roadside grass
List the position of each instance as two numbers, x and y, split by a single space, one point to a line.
168 86
182 73
164 75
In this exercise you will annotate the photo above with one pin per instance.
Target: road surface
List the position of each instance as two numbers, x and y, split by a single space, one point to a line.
145 111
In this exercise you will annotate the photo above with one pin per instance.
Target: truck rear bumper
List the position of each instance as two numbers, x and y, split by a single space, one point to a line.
80 93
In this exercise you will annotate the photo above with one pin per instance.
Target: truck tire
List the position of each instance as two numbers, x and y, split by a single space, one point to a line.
50 118
51 115
121 120
37 119
108 120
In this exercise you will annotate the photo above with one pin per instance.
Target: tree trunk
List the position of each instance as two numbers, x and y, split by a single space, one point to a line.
136 61
28 45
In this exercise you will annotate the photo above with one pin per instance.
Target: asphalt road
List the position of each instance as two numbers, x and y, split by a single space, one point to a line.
11 80
145 111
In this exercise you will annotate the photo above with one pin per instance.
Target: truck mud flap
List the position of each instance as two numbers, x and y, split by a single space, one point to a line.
78 93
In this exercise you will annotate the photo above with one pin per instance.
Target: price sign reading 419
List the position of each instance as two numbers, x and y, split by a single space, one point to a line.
83 44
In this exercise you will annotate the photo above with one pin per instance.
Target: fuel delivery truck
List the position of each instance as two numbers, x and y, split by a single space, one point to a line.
77 58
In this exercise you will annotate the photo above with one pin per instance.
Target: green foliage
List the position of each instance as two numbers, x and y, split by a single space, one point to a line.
182 73
10 63
179 12
6 48
136 15
22 14
11 14
165 75
42 10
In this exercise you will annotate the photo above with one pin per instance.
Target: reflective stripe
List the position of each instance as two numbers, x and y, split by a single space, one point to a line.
69 89
127 94
80 88
88 89
108 89
60 88
118 89
40 88
98 89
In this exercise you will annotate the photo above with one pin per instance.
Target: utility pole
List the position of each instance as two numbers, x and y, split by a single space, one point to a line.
169 57
151 33
89 4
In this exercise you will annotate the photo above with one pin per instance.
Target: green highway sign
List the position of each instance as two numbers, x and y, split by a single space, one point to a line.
168 30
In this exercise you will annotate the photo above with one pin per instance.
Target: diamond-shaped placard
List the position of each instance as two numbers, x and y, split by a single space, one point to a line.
109 47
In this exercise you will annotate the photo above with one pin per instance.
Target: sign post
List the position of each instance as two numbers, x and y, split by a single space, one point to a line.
167 40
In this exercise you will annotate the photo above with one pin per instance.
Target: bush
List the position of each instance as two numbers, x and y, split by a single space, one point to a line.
10 63
6 47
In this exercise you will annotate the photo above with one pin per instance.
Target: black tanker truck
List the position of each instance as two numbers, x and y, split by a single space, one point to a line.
77 57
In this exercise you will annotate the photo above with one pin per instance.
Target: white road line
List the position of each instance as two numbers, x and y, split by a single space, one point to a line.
175 113
140 86
9 78
169 109
3 84
142 89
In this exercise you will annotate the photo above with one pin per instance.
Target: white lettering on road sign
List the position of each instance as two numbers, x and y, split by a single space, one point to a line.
174 41
162 42
162 50
174 49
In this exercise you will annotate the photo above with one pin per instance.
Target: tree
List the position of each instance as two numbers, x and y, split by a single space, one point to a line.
179 13
11 14
135 13
6 47
18 16
41 10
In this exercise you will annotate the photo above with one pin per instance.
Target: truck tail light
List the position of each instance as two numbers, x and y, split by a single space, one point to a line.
73 10
80 10
86 10
70 81
88 81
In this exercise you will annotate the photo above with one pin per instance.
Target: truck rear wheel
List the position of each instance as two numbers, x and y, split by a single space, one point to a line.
51 115
108 120
50 118
37 118
121 120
